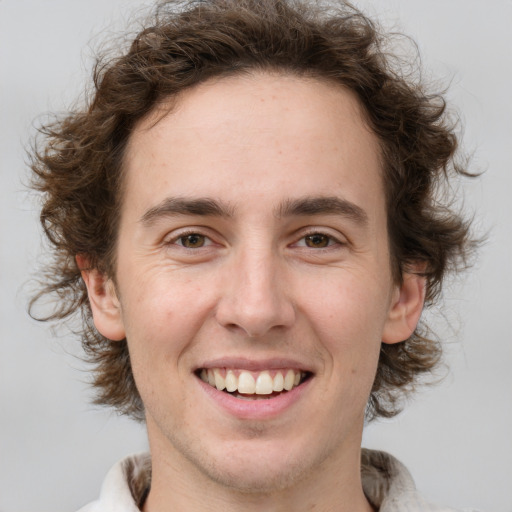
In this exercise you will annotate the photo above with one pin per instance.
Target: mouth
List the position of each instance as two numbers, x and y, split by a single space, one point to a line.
253 385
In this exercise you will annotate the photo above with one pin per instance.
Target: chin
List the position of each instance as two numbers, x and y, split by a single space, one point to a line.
266 478
260 468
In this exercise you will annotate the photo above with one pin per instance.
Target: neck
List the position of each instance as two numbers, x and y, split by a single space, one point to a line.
334 484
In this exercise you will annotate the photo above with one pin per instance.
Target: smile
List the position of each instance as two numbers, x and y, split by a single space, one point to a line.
253 385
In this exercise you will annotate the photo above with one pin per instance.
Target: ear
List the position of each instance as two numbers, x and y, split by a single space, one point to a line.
405 309
105 306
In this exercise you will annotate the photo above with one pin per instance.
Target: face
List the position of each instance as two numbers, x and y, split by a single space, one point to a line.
253 255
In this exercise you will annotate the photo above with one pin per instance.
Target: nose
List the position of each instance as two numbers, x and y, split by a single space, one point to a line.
255 295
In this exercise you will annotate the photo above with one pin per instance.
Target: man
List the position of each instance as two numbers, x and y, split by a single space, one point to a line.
246 216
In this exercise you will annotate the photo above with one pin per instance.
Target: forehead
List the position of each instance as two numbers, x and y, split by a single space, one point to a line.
267 136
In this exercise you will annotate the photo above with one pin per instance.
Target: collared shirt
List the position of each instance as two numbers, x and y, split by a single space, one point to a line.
387 485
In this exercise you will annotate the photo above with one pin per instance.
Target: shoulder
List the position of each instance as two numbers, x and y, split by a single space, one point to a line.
123 486
390 487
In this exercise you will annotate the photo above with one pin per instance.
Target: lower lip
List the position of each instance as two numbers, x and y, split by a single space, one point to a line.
259 409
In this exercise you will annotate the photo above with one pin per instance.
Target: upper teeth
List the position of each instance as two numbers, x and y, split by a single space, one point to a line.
259 383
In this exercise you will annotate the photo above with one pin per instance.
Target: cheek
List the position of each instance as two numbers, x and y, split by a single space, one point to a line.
162 313
348 318
349 310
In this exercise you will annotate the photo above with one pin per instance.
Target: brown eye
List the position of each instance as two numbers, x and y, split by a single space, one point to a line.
192 241
317 240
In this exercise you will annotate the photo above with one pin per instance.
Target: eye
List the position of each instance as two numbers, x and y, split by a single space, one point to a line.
318 240
193 241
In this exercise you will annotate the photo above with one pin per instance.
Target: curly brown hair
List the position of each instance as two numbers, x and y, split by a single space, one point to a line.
78 162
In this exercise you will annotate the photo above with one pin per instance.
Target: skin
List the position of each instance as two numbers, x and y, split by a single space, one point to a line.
251 285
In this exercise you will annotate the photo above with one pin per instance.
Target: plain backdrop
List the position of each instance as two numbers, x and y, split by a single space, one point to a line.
456 437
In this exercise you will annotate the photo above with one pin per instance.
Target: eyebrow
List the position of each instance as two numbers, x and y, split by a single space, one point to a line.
207 207
173 206
330 205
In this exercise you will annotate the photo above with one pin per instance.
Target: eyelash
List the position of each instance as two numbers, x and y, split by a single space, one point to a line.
331 240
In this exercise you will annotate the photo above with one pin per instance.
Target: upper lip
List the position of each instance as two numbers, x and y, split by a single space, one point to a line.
256 365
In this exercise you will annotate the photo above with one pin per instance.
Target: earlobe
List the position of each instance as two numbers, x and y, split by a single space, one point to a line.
105 306
406 308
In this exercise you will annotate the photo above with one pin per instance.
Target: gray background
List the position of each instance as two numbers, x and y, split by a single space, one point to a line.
455 438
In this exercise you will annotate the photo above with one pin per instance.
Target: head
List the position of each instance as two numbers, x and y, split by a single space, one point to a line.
82 165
